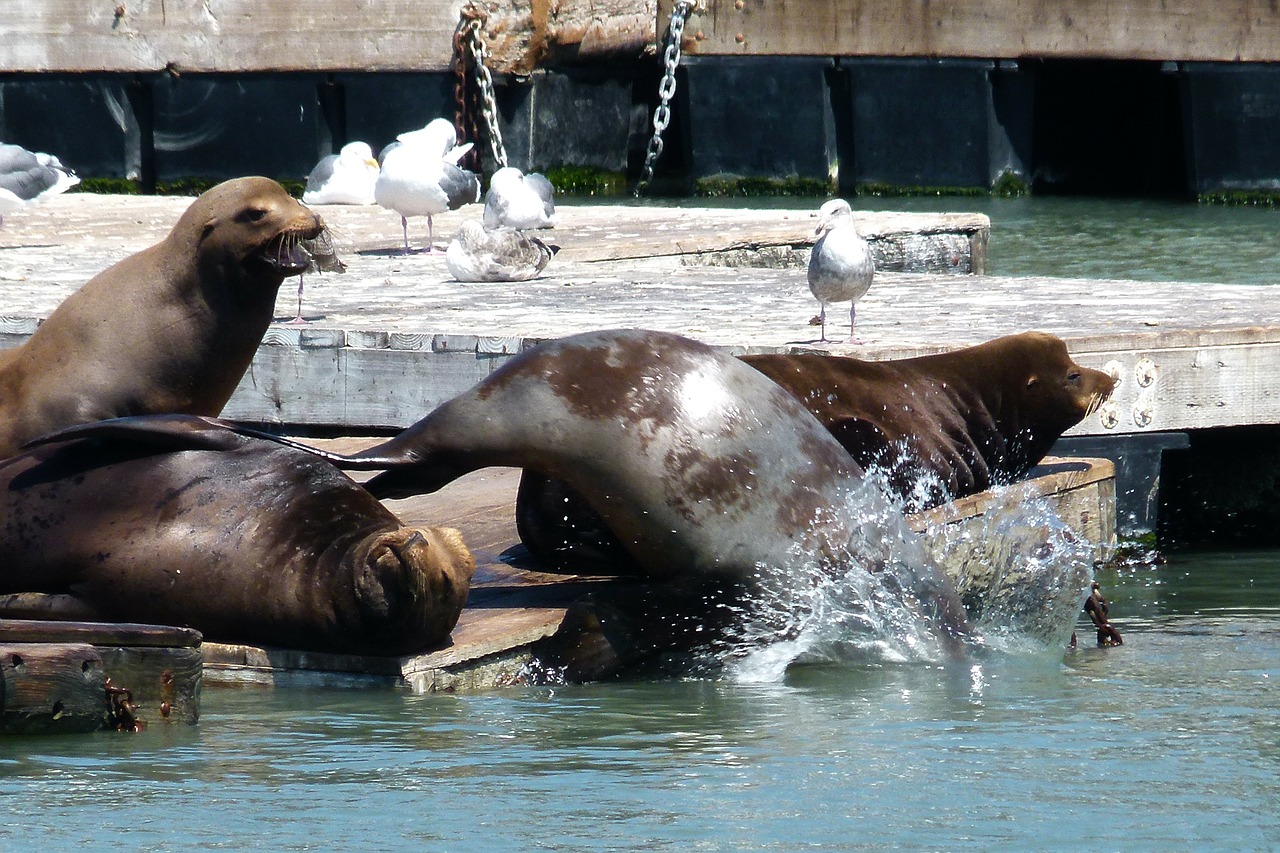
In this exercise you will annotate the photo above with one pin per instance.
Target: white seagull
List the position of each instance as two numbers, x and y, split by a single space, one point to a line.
478 254
840 267
420 176
28 177
343 178
518 201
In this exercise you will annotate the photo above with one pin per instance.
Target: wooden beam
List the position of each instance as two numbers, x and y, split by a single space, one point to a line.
1187 30
51 688
232 36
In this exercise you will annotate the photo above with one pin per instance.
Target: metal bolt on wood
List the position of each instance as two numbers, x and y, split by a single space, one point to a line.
666 91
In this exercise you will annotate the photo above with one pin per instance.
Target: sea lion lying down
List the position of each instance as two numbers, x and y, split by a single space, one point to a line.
956 423
166 519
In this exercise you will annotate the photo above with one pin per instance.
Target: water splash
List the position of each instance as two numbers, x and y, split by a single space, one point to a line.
1020 571
857 599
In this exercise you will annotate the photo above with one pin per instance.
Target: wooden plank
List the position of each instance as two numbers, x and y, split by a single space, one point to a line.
228 36
1187 30
395 336
159 666
51 688
164 684
97 633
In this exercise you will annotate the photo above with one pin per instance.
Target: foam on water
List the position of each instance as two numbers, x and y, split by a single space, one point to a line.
865 597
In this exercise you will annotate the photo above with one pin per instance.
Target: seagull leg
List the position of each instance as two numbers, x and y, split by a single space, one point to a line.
822 320
298 321
431 235
404 227
853 338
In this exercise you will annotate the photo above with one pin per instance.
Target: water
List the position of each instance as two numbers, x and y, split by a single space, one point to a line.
1140 239
1081 237
1171 741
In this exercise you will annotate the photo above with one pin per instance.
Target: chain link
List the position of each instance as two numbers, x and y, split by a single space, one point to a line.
469 34
666 90
464 114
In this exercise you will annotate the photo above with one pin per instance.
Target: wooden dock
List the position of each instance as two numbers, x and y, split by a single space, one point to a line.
521 622
75 677
395 336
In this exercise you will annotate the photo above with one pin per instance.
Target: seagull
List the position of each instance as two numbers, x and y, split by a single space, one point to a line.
477 254
516 200
420 176
840 267
28 177
343 178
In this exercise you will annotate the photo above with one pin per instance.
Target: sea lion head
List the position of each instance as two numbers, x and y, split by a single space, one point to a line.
1047 392
249 229
410 586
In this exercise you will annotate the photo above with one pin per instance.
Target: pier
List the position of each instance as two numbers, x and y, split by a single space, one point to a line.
395 336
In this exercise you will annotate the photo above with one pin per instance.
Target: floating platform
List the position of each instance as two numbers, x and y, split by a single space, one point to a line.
520 622
395 335
72 677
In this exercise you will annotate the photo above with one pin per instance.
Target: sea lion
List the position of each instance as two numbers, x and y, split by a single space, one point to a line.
165 519
698 464
170 329
933 429
948 425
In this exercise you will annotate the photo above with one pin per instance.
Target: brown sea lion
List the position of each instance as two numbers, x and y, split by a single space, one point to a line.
164 519
698 464
169 329
937 428
948 425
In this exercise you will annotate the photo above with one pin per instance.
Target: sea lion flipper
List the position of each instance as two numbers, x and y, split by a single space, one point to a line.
175 432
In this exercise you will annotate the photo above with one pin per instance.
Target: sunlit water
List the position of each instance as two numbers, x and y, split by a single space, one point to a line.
1078 237
1171 741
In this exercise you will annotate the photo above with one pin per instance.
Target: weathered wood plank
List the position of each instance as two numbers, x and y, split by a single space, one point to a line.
164 683
356 35
395 336
1199 30
159 666
51 688
97 633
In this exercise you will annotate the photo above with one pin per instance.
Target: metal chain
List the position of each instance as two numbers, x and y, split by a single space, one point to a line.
473 19
464 113
666 90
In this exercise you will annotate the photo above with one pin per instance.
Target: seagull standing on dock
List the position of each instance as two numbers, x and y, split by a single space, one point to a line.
478 254
840 267
519 201
420 176
28 177
343 178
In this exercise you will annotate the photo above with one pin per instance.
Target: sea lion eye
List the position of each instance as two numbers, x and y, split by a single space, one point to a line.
1074 376
252 214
